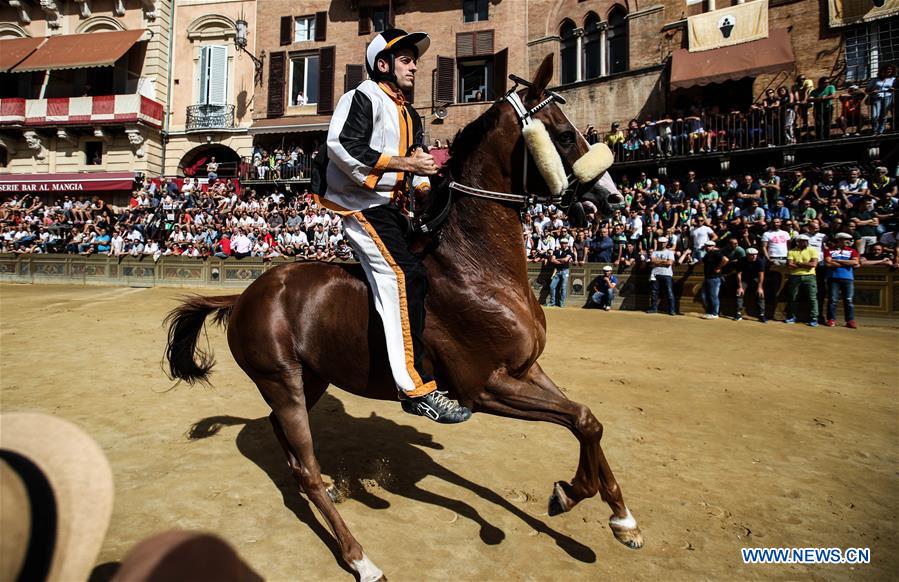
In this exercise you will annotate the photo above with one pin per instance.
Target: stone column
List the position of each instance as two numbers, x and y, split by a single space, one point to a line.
603 52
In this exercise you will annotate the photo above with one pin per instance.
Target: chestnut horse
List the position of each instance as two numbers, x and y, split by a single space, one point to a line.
303 326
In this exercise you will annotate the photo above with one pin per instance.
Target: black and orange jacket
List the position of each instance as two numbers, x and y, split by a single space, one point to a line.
370 125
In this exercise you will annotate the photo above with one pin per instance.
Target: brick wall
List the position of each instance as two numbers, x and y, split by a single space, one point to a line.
529 29
442 19
818 49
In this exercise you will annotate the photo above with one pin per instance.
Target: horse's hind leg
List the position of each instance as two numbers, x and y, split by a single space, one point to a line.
538 398
291 421
313 389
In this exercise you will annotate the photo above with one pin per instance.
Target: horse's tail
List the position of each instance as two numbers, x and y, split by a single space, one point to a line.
184 323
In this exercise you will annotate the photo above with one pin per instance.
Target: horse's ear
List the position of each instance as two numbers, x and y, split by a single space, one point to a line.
542 78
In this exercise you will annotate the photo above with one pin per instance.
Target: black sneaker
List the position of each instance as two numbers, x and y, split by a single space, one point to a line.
436 406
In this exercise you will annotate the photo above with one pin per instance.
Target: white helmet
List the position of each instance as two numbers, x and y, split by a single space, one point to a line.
385 43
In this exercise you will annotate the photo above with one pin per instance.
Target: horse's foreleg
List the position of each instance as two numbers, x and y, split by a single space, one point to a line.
608 485
291 423
536 397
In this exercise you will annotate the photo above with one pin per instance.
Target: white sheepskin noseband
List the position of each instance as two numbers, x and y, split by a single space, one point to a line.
541 147
592 164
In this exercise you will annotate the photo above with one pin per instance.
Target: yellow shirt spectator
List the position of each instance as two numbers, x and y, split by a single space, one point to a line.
802 256
614 138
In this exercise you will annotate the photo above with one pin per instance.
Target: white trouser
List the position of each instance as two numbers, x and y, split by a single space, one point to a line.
387 283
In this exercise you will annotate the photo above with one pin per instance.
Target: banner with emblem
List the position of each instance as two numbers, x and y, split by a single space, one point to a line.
846 12
730 26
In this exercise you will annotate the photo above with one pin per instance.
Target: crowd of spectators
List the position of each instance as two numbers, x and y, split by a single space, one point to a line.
164 218
784 115
744 222
740 221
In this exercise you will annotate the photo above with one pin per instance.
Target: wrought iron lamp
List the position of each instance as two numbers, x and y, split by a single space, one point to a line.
240 41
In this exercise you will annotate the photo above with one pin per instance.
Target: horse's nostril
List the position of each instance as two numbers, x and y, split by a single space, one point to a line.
615 199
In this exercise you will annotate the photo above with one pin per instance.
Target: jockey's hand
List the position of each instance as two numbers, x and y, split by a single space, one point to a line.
422 163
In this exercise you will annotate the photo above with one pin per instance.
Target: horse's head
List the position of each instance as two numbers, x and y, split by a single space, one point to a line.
568 165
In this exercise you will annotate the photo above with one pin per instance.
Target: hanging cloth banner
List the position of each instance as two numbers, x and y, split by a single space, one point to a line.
729 26
846 12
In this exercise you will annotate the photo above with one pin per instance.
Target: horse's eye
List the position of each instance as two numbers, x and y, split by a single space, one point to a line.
566 138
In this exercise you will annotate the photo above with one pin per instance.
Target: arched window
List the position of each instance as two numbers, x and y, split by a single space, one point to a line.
616 40
592 50
99 24
569 53
11 30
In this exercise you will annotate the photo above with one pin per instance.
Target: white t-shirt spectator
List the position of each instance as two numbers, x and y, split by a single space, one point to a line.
817 241
700 235
547 244
854 186
241 244
118 244
776 242
635 227
663 255
540 224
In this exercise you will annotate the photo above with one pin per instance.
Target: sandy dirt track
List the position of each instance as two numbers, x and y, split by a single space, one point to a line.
722 435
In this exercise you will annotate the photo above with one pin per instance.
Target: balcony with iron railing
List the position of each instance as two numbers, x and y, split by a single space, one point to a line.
207 116
288 169
759 128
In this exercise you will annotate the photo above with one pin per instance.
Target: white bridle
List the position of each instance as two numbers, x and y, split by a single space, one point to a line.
539 145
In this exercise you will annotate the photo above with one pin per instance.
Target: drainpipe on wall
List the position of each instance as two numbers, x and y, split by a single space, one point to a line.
168 93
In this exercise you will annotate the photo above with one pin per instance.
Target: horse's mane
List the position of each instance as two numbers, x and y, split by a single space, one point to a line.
469 138
467 246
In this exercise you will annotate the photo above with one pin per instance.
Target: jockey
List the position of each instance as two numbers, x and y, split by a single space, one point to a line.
374 145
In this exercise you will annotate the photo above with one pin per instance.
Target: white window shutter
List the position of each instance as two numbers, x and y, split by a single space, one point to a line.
203 93
218 75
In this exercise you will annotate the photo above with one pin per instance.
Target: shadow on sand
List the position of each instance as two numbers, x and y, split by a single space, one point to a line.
344 445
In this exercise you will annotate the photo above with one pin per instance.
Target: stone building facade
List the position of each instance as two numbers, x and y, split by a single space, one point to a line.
618 54
83 87
474 47
655 29
213 86
613 61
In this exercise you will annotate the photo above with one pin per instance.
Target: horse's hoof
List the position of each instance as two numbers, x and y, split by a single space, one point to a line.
367 570
334 494
626 531
558 501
